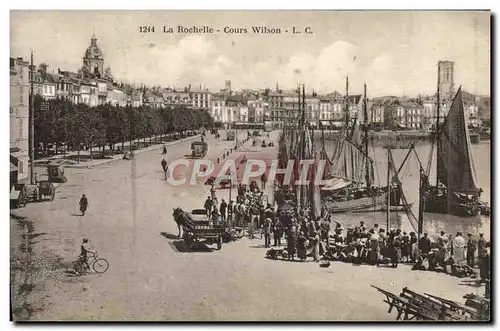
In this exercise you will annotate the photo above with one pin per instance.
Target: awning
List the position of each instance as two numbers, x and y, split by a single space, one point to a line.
13 167
335 184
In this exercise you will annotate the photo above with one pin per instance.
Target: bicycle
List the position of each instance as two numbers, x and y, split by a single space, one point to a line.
98 264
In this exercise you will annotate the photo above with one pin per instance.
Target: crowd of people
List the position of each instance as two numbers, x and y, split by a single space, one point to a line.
250 209
455 255
325 239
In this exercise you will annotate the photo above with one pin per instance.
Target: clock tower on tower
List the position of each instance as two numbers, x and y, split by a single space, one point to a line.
93 60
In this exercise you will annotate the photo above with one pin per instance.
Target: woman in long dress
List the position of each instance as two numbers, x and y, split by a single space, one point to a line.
459 248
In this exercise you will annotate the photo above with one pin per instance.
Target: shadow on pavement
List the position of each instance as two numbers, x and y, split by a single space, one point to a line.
180 247
169 235
75 214
258 246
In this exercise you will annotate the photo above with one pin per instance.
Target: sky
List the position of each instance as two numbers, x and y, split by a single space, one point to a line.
394 53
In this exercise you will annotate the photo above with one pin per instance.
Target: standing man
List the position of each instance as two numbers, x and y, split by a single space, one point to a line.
481 246
278 232
222 209
84 203
230 208
164 166
471 250
263 181
267 232
484 264
424 245
208 206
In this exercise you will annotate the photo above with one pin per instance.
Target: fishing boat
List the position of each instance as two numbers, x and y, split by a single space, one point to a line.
296 143
456 191
350 172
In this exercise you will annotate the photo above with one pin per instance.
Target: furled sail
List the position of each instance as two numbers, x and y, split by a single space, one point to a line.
455 165
348 161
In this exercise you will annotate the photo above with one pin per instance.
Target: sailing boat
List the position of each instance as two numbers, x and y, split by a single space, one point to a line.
351 172
296 143
456 191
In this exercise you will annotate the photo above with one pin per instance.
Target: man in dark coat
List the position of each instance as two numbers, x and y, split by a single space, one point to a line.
424 244
230 210
208 206
484 265
263 181
222 209
278 232
471 250
84 203
481 245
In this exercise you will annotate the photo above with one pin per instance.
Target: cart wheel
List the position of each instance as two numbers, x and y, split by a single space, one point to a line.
219 243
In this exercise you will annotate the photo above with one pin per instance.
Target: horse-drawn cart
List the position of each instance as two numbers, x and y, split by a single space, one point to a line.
21 194
197 228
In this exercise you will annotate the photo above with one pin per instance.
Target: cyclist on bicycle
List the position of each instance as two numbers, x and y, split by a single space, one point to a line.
84 250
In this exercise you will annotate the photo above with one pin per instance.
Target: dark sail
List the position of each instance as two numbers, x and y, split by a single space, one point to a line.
455 165
347 163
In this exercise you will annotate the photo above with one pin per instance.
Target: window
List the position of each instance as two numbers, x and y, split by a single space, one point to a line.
20 167
21 128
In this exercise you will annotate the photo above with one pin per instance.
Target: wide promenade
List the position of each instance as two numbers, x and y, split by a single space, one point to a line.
153 277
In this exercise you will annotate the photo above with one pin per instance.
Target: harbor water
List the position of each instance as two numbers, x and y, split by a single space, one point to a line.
409 175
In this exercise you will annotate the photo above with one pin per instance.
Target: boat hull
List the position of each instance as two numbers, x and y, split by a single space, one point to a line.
365 204
445 205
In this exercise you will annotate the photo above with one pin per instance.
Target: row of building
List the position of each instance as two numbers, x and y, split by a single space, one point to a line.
278 107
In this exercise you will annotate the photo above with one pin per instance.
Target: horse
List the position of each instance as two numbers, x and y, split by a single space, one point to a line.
182 218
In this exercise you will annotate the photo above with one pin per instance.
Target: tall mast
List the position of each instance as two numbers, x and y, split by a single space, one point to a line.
365 129
437 122
388 187
303 139
298 190
347 115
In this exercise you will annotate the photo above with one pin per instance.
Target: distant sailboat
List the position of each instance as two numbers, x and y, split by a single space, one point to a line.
457 191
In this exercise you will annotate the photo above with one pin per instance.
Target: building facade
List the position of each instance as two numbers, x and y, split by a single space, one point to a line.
201 99
19 116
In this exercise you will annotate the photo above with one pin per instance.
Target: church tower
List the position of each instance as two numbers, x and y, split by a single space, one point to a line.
93 60
446 80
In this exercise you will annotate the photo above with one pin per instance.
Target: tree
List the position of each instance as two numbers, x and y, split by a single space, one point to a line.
42 67
108 75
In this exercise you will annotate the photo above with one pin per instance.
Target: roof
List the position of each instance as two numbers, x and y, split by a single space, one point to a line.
410 105
355 98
